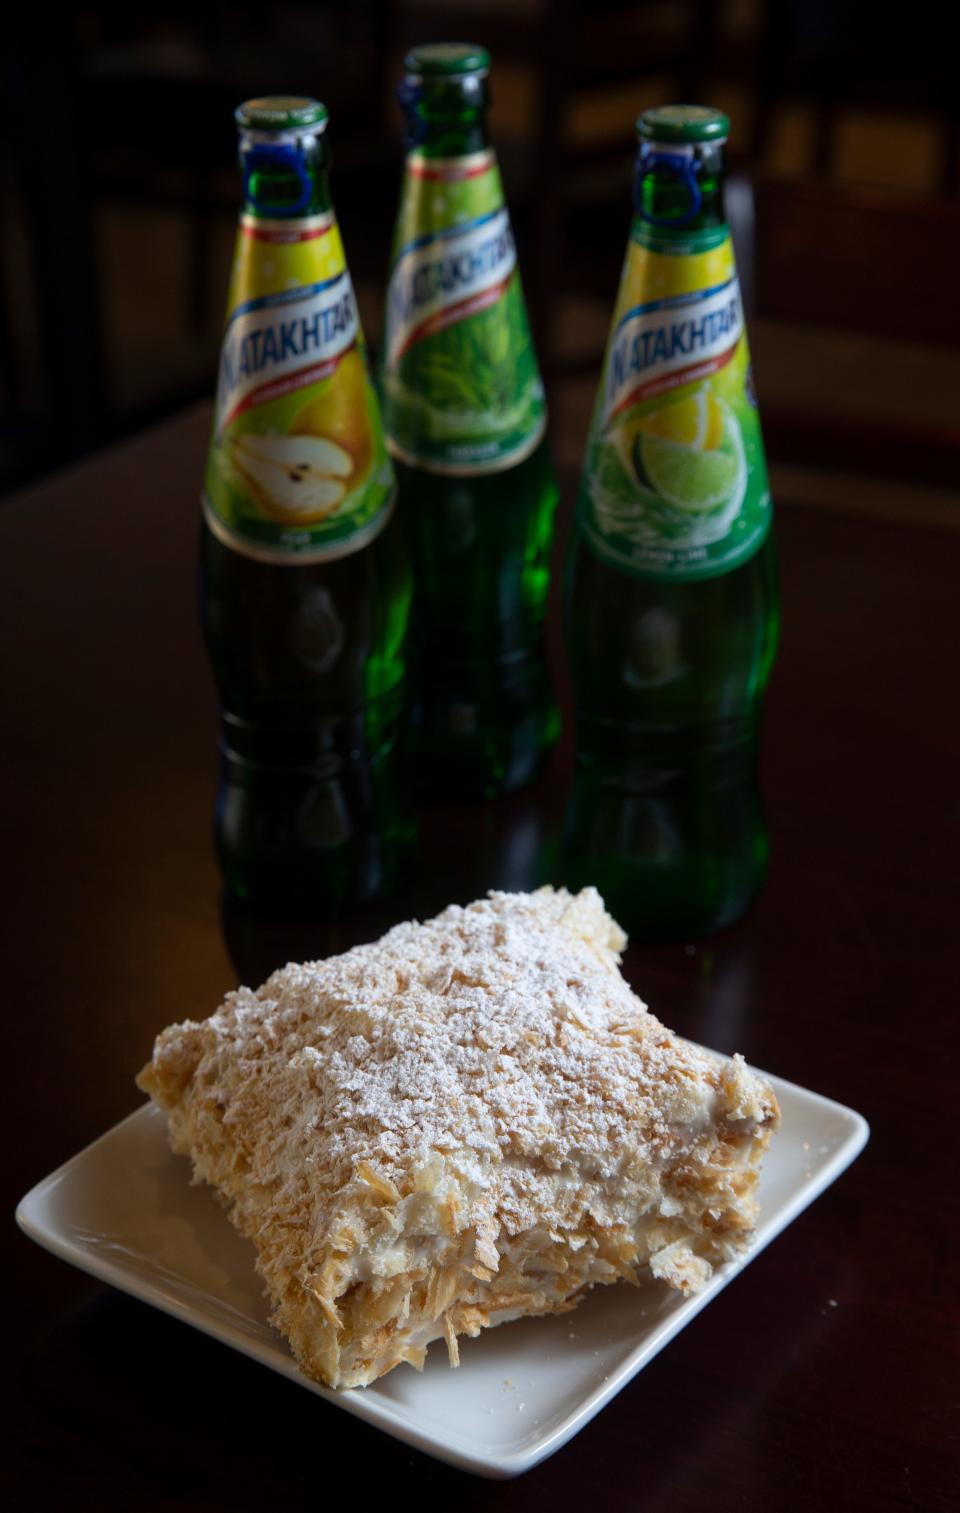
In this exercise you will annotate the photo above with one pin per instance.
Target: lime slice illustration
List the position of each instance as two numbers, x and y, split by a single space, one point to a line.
613 471
690 478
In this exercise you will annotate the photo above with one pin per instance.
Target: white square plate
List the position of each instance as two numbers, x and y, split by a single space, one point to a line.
124 1210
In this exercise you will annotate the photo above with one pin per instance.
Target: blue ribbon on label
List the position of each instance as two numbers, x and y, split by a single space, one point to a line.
255 159
677 165
409 94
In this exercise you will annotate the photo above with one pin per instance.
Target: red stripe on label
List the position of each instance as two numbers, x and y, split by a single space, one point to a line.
691 374
447 175
278 387
453 313
283 238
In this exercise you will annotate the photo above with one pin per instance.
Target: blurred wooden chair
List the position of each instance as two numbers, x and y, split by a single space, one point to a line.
869 263
846 57
110 105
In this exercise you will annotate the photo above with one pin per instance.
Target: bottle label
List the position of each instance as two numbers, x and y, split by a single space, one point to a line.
462 389
675 481
297 468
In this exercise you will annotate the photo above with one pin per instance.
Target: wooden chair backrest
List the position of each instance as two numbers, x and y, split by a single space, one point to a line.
858 259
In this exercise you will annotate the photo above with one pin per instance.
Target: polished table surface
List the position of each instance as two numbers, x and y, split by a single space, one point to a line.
825 1377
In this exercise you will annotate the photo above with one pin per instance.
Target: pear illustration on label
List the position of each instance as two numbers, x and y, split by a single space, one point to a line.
338 411
298 465
295 479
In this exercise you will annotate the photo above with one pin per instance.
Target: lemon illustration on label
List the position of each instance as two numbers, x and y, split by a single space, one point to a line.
696 420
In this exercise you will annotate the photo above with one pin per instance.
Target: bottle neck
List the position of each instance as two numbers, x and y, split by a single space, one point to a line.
445 118
285 174
679 190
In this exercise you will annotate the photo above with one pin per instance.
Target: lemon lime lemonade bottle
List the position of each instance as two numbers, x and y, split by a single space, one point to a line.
671 611
304 583
465 416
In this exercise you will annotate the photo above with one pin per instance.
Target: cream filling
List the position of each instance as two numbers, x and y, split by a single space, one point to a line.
549 1268
402 1271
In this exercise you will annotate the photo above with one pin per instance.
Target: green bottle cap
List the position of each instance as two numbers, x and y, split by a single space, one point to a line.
445 60
683 124
281 113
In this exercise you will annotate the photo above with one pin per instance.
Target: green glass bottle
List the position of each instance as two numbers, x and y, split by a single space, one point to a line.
671 610
304 582
466 418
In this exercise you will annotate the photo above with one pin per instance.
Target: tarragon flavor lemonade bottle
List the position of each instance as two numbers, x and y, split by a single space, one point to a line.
304 586
670 603
466 422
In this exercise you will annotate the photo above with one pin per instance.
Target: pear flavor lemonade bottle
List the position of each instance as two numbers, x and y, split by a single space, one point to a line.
466 420
304 583
671 612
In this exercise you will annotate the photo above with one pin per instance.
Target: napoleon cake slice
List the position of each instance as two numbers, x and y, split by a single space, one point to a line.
471 1120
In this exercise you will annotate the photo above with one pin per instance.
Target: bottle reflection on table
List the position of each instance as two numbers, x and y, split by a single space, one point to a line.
511 845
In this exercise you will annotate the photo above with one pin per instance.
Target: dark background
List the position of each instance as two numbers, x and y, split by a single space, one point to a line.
120 193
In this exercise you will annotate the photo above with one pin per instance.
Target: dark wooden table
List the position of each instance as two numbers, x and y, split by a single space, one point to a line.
843 979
